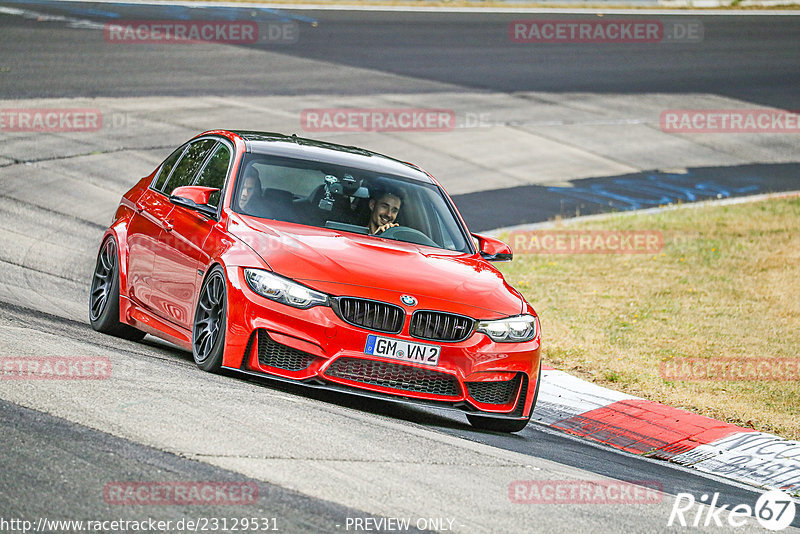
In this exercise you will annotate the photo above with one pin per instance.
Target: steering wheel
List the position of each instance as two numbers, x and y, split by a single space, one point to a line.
405 233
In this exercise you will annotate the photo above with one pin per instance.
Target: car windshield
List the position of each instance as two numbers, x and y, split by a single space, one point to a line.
347 199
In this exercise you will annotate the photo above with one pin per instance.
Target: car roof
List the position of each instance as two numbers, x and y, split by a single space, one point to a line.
292 146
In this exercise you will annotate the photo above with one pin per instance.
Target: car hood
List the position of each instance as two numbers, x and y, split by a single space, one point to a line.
343 263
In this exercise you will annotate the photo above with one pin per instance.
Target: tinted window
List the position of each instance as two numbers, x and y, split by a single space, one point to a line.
189 164
166 167
215 171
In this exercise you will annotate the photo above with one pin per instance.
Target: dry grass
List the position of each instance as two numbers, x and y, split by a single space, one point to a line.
726 285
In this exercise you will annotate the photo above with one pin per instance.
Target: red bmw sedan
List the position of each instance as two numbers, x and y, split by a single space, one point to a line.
320 264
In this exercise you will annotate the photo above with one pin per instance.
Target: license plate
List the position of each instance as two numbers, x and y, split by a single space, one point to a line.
398 349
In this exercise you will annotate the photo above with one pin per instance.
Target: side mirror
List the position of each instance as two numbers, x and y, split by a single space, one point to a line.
195 198
492 249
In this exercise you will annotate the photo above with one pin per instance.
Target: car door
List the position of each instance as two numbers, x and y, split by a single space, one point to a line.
145 231
177 269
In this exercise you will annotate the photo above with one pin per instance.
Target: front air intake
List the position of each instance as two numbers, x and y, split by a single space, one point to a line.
395 376
274 354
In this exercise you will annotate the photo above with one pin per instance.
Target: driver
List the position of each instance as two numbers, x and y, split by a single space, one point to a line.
384 207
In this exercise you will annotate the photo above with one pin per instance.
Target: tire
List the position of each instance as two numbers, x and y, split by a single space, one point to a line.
495 424
104 295
210 320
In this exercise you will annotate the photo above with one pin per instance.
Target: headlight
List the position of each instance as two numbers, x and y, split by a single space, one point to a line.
510 330
283 290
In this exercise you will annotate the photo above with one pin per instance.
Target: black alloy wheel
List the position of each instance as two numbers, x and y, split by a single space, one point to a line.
208 333
104 296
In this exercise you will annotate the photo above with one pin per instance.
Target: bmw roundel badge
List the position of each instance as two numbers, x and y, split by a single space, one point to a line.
408 300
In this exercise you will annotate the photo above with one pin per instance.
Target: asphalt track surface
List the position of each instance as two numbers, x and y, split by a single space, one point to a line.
753 58
55 467
48 460
748 58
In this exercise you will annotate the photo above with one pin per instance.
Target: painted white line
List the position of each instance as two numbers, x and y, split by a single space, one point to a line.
44 17
534 123
457 9
667 11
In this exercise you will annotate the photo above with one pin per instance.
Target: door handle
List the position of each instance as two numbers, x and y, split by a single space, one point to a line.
168 225
138 207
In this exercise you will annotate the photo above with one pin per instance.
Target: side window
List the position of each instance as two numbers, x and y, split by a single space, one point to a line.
166 167
189 164
215 171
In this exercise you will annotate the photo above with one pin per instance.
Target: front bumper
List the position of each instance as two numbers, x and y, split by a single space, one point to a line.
317 348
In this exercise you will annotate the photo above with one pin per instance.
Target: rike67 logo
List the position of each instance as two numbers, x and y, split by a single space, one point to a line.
774 510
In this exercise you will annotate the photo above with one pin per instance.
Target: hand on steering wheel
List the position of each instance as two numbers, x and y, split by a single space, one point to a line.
407 234
382 228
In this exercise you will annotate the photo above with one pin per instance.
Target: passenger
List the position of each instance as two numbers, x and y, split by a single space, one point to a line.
265 203
384 207
250 192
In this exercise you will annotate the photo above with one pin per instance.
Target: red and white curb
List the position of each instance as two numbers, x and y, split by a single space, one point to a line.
655 430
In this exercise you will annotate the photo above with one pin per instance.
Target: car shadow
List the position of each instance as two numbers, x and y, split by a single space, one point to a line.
394 409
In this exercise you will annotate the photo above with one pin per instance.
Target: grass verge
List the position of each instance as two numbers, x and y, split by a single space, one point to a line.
725 285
